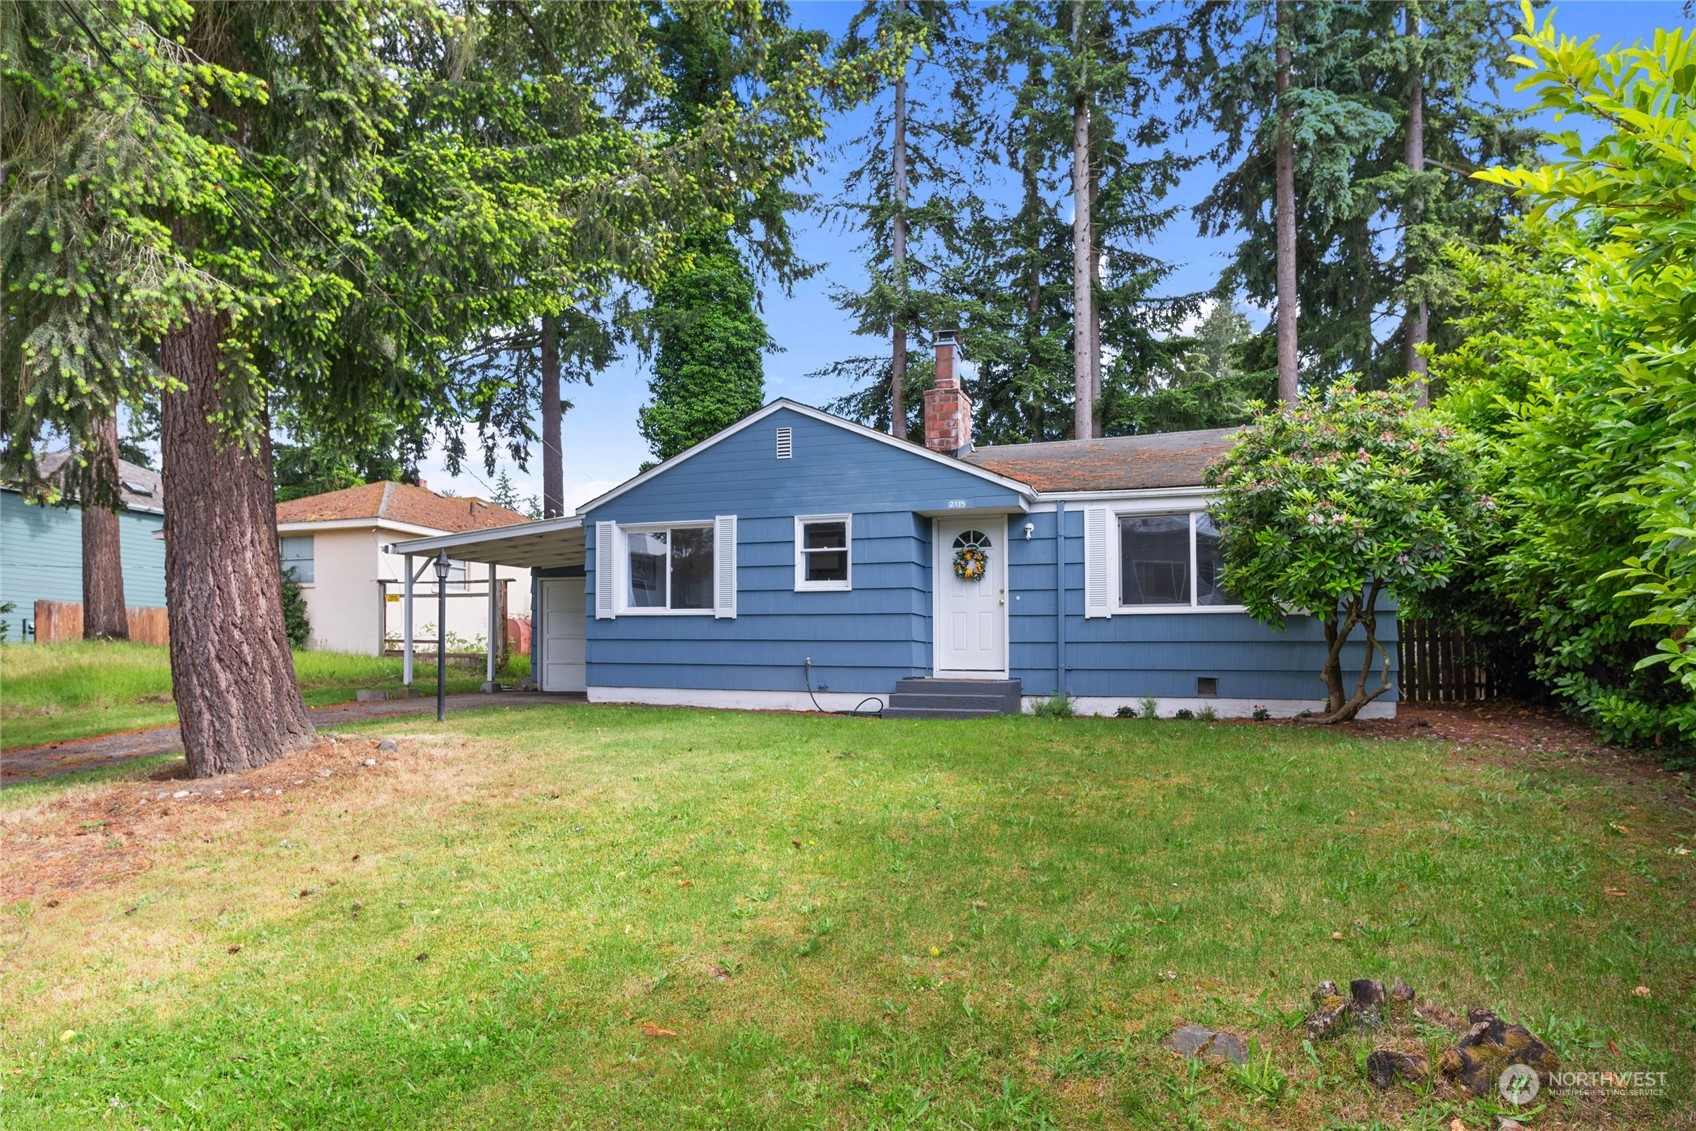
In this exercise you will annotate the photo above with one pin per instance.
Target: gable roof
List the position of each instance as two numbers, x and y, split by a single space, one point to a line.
1116 463
400 503
987 474
140 488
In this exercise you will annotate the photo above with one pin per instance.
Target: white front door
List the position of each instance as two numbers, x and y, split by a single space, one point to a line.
563 623
971 611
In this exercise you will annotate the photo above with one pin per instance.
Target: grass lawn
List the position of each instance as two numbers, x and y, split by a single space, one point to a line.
76 689
616 917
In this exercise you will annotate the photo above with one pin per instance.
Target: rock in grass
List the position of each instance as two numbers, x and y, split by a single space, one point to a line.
1477 1060
1385 1066
1189 1040
1198 1040
388 746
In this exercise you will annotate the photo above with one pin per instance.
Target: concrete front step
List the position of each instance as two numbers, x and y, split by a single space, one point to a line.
922 698
941 713
981 702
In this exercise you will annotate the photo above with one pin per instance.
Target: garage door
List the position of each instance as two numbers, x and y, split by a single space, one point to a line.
562 635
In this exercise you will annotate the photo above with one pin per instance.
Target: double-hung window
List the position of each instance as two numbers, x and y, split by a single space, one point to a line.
822 552
669 569
296 550
1170 561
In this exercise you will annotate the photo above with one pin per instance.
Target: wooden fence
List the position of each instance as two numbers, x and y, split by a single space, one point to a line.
62 620
1438 666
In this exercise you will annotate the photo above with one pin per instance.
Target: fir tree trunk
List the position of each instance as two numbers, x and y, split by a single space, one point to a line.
231 671
1030 173
103 615
1285 171
553 450
898 254
1083 319
1417 326
1096 407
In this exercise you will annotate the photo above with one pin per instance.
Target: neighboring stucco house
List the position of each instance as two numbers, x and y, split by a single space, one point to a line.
797 558
41 546
335 544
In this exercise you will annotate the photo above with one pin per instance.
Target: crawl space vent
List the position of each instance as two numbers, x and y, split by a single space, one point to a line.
785 443
1207 685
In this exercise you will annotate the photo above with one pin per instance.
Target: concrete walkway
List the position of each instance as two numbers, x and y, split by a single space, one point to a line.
36 762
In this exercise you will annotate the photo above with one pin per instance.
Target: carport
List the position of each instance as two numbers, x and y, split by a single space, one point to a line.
553 550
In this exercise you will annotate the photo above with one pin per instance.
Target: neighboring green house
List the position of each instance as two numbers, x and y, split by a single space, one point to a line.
41 547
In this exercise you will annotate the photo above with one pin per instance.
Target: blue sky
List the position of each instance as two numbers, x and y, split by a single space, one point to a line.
601 443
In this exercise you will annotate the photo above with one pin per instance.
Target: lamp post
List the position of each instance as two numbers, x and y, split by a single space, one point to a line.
441 636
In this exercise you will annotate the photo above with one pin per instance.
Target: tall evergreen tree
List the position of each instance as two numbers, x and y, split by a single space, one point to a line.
707 335
1383 119
1034 301
223 204
904 195
707 367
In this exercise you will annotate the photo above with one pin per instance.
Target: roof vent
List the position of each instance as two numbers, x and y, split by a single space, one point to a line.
135 488
785 443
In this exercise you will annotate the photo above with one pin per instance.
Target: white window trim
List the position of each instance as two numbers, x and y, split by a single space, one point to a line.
802 585
312 559
622 594
1116 559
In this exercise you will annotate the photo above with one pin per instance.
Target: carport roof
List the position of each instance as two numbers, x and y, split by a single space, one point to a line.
549 544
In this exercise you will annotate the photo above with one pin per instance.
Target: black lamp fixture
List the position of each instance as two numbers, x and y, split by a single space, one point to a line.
442 567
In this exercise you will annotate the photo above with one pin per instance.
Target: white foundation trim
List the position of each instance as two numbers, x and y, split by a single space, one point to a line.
1225 708
736 700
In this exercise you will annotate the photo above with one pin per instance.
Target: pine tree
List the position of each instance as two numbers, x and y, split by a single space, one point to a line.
1356 75
903 195
317 204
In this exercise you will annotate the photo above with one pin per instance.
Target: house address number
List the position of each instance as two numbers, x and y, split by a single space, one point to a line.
956 504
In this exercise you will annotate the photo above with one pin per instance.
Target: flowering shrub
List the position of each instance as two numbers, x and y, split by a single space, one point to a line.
1329 507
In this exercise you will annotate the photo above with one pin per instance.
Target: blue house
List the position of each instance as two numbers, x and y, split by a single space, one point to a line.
41 547
798 561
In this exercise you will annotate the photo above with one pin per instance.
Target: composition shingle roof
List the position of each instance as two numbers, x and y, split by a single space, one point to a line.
402 503
142 489
1117 463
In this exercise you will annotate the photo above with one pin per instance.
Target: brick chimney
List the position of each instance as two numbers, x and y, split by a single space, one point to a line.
948 411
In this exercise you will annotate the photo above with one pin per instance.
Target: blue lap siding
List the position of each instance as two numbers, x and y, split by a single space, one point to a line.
41 558
865 639
862 640
1159 654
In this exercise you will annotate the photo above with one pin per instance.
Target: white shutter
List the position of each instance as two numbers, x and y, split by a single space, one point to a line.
1098 562
606 569
724 566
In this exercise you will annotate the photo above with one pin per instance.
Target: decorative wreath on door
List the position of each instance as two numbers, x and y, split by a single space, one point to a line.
970 558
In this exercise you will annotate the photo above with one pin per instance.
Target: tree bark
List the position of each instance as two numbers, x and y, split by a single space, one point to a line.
898 255
1417 324
553 450
1289 389
231 672
1083 318
103 614
1341 706
1030 212
1096 407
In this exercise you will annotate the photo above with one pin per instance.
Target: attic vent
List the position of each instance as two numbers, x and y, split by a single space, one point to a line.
135 488
785 443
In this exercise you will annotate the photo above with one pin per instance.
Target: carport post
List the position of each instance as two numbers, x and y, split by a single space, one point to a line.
494 616
406 644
